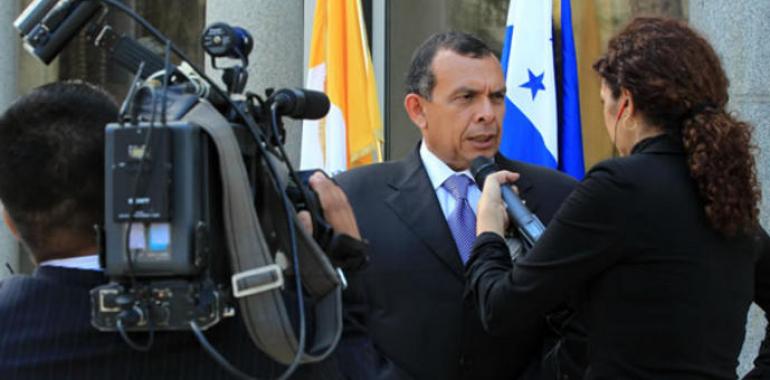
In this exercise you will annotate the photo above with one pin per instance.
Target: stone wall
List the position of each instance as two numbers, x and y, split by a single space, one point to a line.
738 31
9 44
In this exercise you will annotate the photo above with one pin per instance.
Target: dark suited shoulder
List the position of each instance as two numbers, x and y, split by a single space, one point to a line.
620 170
359 181
45 333
652 160
543 189
357 355
622 173
541 176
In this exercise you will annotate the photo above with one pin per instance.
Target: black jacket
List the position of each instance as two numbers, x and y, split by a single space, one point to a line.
417 316
46 333
667 295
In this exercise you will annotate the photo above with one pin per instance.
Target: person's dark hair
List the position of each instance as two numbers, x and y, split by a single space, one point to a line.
52 163
677 82
420 79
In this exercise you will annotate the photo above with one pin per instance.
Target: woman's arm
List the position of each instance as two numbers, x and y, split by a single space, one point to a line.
584 238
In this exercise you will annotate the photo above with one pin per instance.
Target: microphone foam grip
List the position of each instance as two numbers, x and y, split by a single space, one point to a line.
481 167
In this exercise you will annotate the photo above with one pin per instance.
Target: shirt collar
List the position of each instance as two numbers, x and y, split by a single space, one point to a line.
662 143
437 170
90 262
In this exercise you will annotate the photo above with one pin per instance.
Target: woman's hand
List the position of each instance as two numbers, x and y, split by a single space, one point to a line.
491 215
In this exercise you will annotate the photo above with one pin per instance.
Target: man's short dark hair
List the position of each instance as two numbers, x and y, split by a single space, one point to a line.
52 161
420 79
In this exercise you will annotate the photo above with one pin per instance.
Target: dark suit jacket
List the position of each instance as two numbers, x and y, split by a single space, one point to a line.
417 315
667 295
45 333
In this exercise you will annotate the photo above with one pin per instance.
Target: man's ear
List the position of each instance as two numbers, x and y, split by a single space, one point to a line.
10 224
415 109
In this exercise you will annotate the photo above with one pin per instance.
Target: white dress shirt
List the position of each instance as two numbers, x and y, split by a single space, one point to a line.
81 262
438 172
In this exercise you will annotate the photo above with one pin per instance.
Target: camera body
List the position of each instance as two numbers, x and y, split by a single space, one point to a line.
162 221
200 198
158 305
157 187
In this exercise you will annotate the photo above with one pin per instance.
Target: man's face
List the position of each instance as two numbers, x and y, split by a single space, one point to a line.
463 118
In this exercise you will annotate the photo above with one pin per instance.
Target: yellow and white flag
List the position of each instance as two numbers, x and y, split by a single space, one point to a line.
340 65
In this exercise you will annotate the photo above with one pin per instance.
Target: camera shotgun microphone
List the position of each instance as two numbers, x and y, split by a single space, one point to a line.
299 103
527 223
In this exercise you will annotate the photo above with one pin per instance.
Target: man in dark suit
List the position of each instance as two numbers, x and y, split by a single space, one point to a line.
417 214
52 190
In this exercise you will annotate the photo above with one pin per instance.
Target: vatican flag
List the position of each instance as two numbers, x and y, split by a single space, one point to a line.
340 65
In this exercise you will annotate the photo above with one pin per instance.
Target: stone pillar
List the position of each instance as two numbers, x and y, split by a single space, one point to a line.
672 8
9 45
738 31
276 61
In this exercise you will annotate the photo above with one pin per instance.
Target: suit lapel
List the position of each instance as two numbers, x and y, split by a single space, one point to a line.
414 201
523 183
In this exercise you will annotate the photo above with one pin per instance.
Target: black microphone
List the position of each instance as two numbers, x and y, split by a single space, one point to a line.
527 223
300 103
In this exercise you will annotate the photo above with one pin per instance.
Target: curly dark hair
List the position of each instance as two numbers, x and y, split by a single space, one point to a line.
52 163
677 82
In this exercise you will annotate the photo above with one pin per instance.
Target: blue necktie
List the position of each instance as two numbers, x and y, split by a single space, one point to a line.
462 220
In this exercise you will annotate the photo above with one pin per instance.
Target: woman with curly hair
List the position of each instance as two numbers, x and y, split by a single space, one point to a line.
663 242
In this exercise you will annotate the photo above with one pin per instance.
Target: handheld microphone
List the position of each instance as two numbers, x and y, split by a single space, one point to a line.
300 103
527 223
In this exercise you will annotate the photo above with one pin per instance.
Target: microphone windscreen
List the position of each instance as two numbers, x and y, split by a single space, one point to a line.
481 167
316 104
299 103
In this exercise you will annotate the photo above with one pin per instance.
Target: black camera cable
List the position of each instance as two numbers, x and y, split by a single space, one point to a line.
145 305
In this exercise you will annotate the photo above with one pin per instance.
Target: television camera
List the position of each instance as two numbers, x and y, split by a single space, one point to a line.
200 197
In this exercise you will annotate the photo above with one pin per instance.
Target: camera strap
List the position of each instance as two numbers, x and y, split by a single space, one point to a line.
257 279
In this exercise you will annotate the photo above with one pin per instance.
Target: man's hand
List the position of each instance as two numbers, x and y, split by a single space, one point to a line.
491 211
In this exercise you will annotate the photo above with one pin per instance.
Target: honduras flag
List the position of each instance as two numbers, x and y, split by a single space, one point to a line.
533 129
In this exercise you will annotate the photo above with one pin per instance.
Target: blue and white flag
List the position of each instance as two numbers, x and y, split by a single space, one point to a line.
533 129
